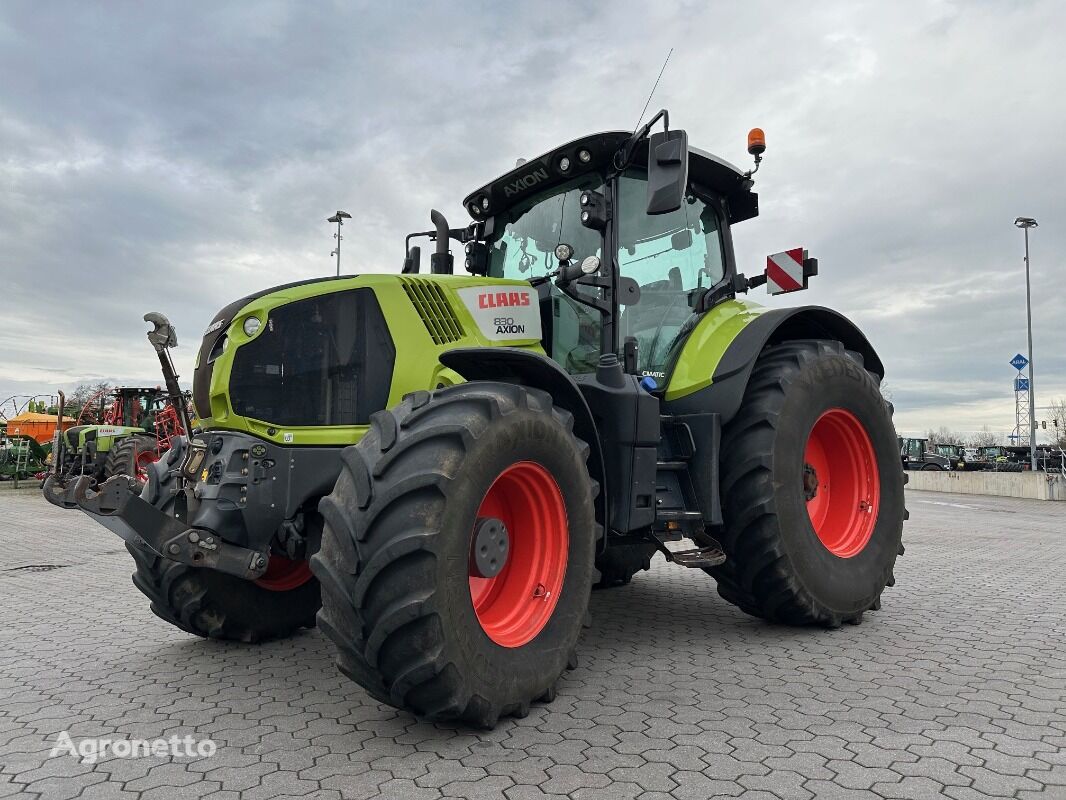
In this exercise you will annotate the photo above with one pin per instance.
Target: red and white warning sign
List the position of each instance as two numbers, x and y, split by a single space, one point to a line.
784 271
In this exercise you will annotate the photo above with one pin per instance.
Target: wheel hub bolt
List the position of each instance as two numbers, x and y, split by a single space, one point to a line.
489 547
810 482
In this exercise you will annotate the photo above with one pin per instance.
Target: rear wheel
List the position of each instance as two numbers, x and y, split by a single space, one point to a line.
131 456
932 468
457 552
812 489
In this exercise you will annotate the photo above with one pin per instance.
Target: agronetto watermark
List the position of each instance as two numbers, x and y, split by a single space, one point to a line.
89 751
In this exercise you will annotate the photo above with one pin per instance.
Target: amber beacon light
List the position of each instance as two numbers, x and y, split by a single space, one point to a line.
756 142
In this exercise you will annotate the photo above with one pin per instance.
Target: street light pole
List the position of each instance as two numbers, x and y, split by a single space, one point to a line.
339 218
1025 223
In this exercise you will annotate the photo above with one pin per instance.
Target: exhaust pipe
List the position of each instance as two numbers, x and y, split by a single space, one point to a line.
440 263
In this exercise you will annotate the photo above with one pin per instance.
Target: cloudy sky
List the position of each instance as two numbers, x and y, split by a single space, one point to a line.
173 157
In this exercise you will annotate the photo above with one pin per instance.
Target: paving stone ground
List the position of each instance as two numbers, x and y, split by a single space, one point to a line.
955 689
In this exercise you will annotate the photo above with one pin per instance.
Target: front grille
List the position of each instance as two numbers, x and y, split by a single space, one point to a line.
432 306
319 361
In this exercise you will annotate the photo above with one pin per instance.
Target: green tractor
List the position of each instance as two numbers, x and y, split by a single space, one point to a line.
440 467
116 434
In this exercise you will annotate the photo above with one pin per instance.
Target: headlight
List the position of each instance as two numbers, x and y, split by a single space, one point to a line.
251 326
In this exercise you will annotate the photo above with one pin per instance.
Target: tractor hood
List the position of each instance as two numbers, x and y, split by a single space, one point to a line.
307 363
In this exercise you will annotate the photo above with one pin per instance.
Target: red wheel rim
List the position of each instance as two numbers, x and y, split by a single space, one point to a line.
515 605
283 574
141 462
847 495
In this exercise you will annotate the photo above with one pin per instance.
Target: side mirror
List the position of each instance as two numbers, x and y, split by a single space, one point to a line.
413 262
667 171
682 240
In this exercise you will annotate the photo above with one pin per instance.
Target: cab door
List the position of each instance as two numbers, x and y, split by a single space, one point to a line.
673 258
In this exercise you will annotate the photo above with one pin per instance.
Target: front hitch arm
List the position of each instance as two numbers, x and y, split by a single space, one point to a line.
118 507
58 493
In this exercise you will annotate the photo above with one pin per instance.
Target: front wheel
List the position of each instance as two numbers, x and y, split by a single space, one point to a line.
215 605
131 456
812 489
457 552
212 604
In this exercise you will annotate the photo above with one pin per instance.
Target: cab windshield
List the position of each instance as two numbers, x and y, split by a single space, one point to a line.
524 247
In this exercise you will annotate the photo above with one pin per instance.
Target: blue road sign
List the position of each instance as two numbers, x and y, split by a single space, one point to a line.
1021 384
1019 362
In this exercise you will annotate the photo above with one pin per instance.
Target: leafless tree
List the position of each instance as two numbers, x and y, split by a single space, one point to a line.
985 438
943 435
1057 413
82 394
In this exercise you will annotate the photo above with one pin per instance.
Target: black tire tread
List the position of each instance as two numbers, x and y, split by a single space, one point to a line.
180 595
124 452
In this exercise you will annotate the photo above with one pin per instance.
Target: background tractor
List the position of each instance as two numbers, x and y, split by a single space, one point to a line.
121 431
1005 459
446 464
916 454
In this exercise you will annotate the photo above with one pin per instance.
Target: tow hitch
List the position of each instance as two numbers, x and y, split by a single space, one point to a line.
120 509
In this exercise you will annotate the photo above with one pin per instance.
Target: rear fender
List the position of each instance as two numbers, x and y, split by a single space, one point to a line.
718 386
528 368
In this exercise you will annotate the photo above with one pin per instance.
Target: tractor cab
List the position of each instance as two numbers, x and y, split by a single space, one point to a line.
641 276
624 257
135 407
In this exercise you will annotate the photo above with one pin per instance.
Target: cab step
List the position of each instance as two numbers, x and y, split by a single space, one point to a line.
710 555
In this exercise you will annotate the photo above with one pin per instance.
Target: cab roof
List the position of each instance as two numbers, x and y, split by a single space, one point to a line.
545 171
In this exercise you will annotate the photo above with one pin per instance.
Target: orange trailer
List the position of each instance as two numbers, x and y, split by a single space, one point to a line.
40 426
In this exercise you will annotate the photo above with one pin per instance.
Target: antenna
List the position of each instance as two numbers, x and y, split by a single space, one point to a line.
653 88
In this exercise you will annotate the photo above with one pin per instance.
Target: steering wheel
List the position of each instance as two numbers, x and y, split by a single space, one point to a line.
664 291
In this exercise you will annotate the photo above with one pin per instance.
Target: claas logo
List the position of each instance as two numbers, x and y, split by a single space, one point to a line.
502 299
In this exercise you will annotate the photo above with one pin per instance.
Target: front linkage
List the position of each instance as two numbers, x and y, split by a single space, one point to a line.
118 507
